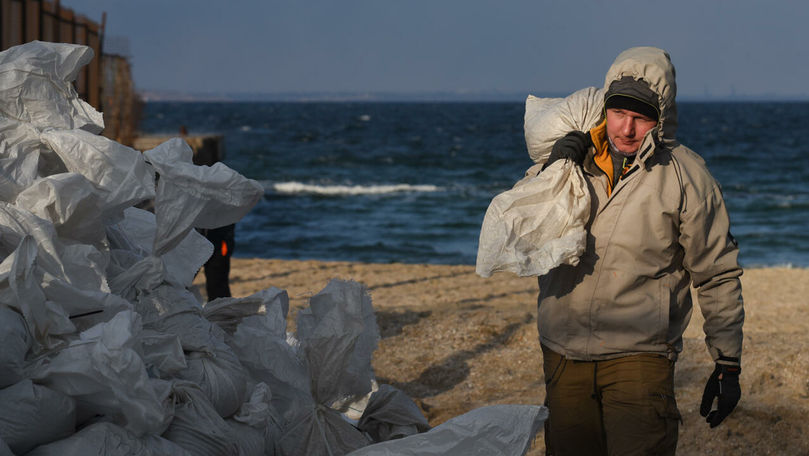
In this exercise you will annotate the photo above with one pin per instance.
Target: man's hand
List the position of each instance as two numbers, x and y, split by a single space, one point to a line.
572 146
723 384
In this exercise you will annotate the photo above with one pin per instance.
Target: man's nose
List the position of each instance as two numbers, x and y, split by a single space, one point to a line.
628 128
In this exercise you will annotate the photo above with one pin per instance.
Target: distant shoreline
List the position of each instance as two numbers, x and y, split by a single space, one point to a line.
149 96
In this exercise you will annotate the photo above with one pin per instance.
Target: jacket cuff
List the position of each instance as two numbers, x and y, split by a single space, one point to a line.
728 361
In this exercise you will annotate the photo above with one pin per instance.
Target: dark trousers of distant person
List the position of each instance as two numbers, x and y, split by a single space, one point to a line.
217 269
622 406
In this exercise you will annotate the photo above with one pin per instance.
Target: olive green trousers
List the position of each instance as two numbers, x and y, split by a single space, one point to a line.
622 406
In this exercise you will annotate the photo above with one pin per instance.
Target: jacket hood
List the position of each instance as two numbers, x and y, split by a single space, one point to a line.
654 66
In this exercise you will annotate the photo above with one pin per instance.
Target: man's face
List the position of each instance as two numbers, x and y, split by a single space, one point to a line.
626 129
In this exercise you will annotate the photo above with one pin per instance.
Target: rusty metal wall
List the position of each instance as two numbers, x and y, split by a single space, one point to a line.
22 21
106 83
123 106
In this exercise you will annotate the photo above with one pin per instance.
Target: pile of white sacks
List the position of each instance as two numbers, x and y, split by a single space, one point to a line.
103 350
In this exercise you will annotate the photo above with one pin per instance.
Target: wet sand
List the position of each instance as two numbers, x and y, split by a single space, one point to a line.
455 341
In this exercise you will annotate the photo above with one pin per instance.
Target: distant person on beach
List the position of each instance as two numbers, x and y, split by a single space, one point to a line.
611 327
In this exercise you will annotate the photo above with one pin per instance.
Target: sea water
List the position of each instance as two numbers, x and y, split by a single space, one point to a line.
410 182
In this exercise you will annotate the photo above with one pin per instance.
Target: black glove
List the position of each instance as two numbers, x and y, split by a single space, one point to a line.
572 146
727 391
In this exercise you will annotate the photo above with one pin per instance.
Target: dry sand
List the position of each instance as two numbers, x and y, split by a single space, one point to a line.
455 341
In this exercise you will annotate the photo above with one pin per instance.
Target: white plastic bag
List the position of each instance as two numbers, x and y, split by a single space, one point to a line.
191 196
4 449
548 119
20 150
229 312
337 335
210 362
36 86
260 341
107 377
85 308
182 262
319 430
161 353
33 415
81 265
220 375
256 425
15 341
70 202
537 225
109 439
496 430
120 174
391 414
20 289
197 427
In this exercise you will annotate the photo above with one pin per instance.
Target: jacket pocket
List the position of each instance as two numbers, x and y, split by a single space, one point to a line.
668 297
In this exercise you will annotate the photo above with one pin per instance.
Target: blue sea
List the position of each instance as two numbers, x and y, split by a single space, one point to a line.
410 182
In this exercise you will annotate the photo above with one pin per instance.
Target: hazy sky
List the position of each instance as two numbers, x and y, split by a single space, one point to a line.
719 48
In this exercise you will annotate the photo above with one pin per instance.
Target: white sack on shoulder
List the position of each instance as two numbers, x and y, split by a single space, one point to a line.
537 225
548 119
496 430
120 173
191 196
35 86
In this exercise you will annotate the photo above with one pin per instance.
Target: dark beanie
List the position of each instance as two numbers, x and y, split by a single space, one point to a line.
633 95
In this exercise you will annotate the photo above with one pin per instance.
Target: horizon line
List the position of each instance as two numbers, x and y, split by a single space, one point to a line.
423 96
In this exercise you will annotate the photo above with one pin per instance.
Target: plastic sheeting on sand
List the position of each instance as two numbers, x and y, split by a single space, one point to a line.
495 430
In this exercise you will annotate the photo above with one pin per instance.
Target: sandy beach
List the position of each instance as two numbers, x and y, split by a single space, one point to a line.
455 341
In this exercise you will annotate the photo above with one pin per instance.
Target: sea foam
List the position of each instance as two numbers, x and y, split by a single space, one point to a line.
348 190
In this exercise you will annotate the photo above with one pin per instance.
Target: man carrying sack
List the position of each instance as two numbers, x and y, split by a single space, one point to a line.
611 326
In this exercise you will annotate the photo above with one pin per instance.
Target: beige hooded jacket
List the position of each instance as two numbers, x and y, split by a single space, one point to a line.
662 229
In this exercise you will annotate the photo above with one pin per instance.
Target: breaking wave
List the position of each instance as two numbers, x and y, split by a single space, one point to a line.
341 190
